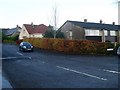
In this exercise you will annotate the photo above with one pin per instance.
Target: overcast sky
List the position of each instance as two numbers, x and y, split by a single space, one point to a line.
19 12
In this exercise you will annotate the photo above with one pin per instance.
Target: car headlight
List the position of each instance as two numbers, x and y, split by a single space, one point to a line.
31 46
24 46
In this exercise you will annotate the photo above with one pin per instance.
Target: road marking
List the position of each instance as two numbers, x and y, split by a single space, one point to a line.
104 79
14 58
20 53
29 57
9 58
111 71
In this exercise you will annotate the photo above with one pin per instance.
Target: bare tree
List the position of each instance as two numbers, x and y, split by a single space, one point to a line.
55 18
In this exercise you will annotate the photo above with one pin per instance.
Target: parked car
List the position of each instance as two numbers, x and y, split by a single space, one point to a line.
25 46
118 51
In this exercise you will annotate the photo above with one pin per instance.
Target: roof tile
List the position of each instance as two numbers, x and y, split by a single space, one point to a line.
32 29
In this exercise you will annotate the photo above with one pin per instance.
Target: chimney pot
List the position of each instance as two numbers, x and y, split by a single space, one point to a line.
113 23
32 25
101 21
85 20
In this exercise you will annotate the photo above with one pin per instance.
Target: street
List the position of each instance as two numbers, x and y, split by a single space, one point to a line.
46 69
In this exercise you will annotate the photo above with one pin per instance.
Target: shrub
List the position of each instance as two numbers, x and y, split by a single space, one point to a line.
71 46
9 41
18 41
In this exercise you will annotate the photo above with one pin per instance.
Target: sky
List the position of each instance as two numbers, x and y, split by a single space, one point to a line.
19 12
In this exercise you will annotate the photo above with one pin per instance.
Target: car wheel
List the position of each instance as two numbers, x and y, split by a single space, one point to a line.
19 49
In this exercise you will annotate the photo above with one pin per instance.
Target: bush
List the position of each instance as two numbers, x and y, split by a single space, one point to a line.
9 41
9 38
18 41
71 46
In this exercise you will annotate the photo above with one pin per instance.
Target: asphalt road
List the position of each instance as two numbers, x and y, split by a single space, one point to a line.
43 69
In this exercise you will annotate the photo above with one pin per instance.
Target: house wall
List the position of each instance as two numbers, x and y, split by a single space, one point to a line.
111 38
36 35
72 32
78 33
118 35
95 38
107 37
24 33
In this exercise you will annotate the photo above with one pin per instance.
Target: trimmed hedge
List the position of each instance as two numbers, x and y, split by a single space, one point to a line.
18 41
71 46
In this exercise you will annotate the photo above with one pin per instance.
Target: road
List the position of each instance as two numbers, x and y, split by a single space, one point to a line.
46 69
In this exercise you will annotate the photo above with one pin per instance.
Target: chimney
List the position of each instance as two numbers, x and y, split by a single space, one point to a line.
113 23
101 21
85 20
32 24
17 26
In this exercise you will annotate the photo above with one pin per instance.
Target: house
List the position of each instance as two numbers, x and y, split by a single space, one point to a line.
11 32
91 31
31 30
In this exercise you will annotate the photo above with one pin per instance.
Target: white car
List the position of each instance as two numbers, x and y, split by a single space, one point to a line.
118 51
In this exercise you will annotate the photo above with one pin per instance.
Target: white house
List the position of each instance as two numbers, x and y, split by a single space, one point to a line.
30 30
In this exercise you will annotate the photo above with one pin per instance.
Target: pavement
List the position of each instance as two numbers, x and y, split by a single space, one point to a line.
0 80
5 83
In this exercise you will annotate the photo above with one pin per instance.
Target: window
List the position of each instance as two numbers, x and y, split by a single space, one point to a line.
89 32
70 33
112 33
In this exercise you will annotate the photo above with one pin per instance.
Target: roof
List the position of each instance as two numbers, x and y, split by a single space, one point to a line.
89 25
32 29
9 32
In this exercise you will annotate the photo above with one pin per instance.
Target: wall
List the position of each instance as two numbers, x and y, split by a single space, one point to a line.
23 33
36 35
95 38
65 29
78 33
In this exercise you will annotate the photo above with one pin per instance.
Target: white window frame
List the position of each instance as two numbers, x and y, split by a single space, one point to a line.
112 33
70 33
92 32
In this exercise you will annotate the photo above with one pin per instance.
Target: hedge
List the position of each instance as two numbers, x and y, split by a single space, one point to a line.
71 46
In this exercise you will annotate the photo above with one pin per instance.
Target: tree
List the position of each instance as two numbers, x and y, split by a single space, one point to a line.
60 34
55 20
49 32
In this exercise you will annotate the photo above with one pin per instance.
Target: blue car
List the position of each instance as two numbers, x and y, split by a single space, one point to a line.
25 46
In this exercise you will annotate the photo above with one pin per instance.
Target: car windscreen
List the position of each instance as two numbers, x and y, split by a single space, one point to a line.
26 44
